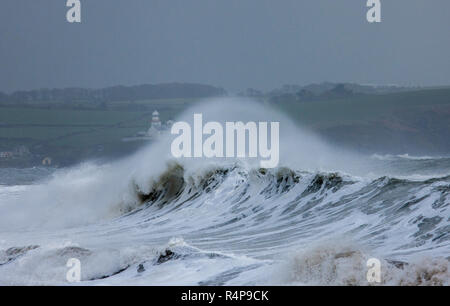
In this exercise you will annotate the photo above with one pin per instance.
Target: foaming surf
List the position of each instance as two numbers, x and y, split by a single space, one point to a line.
151 219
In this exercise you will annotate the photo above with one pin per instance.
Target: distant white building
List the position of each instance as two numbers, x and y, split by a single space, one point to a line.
6 155
19 152
155 125
156 128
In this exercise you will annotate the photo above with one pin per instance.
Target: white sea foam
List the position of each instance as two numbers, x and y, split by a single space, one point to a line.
240 224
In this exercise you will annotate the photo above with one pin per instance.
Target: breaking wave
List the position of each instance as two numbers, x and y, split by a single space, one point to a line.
316 219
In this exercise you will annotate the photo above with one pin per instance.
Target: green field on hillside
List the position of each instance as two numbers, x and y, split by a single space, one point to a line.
72 134
57 125
365 108
415 122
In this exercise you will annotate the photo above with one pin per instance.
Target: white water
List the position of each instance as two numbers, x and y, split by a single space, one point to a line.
314 220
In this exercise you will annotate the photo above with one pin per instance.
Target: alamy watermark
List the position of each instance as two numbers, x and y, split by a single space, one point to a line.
190 143
373 275
74 12
374 271
73 275
374 13
73 15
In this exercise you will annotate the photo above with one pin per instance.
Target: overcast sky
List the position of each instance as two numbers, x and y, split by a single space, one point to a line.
234 44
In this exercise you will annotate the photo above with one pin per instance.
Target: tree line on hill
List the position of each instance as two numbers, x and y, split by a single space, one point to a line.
112 94
322 91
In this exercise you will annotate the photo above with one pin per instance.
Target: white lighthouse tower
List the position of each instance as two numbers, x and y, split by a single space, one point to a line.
155 125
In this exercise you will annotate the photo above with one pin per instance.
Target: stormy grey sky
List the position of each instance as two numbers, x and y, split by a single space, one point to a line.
230 43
